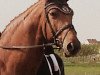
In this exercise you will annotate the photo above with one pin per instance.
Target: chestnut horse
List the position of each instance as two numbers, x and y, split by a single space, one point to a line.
31 35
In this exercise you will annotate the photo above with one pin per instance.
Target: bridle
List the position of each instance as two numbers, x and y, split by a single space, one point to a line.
55 34
65 27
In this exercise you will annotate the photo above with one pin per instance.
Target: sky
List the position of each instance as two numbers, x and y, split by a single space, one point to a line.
86 17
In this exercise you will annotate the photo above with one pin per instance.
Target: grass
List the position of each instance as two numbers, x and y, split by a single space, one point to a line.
79 70
81 65
82 69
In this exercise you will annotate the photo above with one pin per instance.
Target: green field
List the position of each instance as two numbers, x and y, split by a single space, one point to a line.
82 69
81 65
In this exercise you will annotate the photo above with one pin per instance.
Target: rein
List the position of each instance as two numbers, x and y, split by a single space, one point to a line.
27 47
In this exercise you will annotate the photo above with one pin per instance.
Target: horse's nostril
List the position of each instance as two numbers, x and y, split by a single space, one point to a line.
70 46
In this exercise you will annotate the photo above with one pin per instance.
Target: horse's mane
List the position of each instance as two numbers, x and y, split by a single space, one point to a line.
21 17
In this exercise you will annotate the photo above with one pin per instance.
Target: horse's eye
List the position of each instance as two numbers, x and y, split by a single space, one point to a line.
54 14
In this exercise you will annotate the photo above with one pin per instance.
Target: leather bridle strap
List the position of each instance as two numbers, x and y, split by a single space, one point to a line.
49 23
70 26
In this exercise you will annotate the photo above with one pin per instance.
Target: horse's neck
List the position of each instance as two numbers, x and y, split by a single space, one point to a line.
24 29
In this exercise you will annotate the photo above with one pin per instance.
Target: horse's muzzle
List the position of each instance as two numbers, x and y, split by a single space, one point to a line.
71 49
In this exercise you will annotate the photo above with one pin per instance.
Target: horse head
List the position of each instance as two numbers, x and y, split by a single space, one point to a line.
59 28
